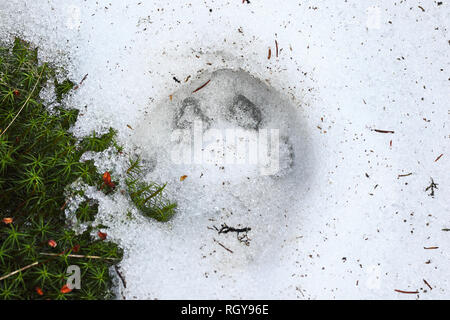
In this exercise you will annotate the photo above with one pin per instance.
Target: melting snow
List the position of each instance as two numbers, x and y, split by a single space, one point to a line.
337 221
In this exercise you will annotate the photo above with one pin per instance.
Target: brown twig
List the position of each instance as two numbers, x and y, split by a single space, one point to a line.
225 229
222 246
269 54
81 82
25 103
76 256
433 185
438 157
120 276
241 233
404 175
407 292
19 270
276 47
202 86
425 281
430 248
34 264
64 205
383 131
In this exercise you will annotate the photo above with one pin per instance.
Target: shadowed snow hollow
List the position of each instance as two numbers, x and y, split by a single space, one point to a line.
242 147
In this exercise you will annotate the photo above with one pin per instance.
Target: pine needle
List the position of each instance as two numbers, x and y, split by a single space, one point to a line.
19 270
25 103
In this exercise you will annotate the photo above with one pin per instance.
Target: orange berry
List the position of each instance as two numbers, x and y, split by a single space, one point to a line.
39 291
7 220
65 289
102 235
52 243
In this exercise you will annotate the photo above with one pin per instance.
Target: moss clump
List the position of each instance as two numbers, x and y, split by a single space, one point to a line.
86 211
39 159
99 143
61 89
148 197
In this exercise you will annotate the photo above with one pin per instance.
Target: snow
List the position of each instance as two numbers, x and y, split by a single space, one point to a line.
337 222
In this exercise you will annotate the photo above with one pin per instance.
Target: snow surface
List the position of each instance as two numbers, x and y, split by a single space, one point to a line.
340 223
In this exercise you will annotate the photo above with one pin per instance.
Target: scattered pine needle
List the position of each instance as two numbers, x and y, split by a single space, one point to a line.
270 54
222 246
383 131
406 292
428 285
19 270
76 256
437 159
81 82
53 255
430 248
202 86
276 47
120 276
26 101
404 175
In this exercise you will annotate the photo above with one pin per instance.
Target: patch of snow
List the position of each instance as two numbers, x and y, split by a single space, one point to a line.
341 224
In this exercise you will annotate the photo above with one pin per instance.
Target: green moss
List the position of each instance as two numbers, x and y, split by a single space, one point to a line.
148 197
86 211
61 89
39 159
98 143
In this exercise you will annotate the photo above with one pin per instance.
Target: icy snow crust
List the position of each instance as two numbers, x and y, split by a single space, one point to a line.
217 192
337 222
